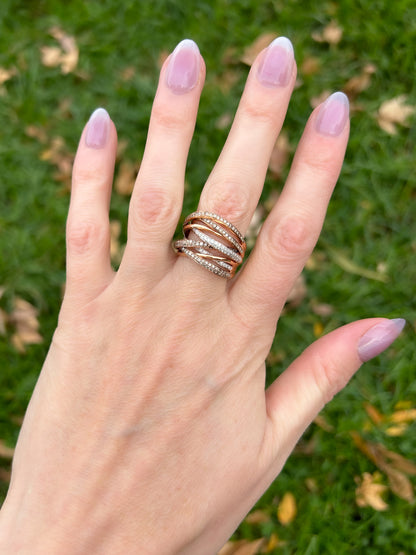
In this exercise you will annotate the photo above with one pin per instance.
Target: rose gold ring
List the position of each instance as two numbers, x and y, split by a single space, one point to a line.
213 242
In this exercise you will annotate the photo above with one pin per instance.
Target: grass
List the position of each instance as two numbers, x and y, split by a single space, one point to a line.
371 219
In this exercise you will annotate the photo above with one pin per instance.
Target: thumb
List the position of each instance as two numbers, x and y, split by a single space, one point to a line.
323 369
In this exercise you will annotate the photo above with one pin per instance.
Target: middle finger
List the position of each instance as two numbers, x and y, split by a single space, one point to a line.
233 189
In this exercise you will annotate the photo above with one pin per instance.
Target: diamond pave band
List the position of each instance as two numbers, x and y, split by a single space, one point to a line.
212 242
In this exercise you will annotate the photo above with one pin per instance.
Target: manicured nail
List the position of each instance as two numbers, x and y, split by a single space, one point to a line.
333 115
276 67
97 130
379 337
184 66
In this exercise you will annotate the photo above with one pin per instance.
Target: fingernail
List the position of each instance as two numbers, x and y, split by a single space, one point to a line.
379 337
333 115
184 65
97 130
276 67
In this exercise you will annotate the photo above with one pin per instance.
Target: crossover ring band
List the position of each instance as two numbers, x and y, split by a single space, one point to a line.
212 242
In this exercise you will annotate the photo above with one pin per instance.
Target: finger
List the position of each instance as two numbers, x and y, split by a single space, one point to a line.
321 371
87 232
156 202
235 184
290 232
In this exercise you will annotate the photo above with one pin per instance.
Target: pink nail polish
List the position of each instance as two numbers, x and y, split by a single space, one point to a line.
333 115
276 67
379 337
97 130
184 67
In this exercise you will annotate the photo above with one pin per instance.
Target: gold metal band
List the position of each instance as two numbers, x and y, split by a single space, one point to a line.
213 242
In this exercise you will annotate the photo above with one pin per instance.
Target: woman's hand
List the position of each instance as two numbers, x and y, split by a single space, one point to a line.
150 430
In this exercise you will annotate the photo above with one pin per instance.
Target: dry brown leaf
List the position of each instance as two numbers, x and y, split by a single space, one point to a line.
322 309
6 74
5 475
257 517
394 112
115 248
397 430
320 421
332 34
3 321
381 457
224 121
58 155
374 414
399 484
252 51
70 55
398 461
286 511
24 318
5 451
243 547
368 492
297 293
360 82
280 155
310 65
126 177
37 132
407 415
315 101
66 56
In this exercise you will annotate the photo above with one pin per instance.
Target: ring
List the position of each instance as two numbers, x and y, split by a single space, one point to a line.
216 244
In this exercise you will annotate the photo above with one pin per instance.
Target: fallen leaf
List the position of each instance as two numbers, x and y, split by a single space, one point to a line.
321 309
6 74
394 112
312 485
368 492
58 155
406 415
3 321
126 176
280 155
297 293
360 82
116 252
66 56
24 318
373 413
224 121
128 73
5 451
353 268
273 543
320 421
286 511
318 329
317 100
257 517
310 65
253 50
398 481
242 547
397 430
37 132
332 34
5 475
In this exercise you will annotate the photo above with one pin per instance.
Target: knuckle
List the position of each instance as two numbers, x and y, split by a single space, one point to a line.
87 175
293 237
320 163
230 200
262 113
329 375
152 206
164 117
84 236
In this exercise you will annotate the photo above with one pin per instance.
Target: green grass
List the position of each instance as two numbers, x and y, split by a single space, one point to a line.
371 219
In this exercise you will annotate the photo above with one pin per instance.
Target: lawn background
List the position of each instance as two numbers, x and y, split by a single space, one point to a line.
370 223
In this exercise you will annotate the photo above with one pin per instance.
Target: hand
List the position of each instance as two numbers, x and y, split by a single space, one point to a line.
150 430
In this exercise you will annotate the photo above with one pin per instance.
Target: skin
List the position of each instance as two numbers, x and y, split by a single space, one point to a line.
150 430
